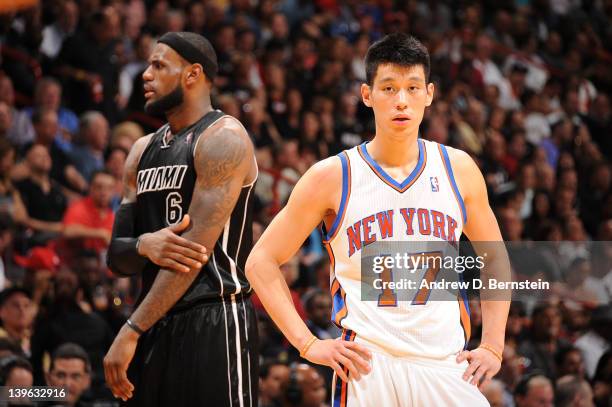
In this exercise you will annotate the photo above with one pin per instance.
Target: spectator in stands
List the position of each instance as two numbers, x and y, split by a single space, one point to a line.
318 311
124 135
114 164
128 74
573 391
569 362
494 392
88 222
16 314
63 170
40 264
596 341
305 387
48 95
65 321
70 369
10 203
20 130
89 64
534 390
544 341
15 371
88 155
42 197
65 26
273 378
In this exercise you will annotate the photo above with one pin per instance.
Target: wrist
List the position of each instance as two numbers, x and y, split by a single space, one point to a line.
133 328
129 333
140 246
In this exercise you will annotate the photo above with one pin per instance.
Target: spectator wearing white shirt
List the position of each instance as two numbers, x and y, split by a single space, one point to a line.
55 34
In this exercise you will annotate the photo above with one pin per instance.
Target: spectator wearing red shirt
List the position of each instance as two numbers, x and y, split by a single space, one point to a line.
88 222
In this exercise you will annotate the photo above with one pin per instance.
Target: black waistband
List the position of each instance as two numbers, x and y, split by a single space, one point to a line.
240 297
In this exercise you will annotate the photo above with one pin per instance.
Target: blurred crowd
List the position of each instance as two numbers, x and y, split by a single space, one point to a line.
523 86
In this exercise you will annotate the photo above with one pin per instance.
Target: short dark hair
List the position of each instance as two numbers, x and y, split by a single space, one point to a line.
399 49
70 351
8 363
267 365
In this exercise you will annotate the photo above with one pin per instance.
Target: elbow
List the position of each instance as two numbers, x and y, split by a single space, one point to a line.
252 265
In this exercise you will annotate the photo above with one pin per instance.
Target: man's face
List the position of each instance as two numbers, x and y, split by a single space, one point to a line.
16 312
72 375
320 313
101 191
47 128
38 159
538 396
572 364
398 97
97 133
162 80
272 385
313 387
50 96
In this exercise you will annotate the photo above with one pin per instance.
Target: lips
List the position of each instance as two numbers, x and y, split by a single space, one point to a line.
401 119
148 92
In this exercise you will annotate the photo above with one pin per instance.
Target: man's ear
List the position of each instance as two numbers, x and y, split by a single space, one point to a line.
194 73
365 94
430 94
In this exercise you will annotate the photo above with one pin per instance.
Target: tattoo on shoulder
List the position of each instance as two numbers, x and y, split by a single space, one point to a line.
221 153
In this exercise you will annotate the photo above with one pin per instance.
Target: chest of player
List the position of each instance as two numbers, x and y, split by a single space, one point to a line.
165 179
379 208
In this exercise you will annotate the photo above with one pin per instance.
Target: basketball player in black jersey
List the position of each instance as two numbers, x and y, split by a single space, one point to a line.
192 340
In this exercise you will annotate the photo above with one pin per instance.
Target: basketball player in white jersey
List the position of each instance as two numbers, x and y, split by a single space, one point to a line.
396 187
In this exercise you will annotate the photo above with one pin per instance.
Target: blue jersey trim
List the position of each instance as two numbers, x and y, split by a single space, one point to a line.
451 176
343 200
415 172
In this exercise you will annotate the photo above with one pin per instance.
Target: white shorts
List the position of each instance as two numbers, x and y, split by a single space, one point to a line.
408 382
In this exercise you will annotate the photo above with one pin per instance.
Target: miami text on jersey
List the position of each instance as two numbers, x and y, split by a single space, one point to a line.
160 178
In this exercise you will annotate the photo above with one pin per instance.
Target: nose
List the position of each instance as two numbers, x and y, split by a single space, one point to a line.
147 75
402 99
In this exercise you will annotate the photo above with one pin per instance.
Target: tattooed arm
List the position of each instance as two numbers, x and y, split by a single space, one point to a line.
224 162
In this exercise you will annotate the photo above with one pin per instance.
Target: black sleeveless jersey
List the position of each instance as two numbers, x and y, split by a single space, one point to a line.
165 182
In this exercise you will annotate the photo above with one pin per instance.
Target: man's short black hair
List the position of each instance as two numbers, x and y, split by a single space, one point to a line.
70 351
399 49
8 363
266 366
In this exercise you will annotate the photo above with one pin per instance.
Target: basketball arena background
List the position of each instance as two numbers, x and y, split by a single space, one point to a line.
523 86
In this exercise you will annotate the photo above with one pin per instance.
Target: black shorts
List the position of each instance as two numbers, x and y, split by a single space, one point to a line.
206 355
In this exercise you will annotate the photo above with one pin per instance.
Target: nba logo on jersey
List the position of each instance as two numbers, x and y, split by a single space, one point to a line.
434 184
188 138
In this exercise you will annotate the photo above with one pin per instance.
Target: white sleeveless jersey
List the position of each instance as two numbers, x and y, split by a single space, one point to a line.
425 207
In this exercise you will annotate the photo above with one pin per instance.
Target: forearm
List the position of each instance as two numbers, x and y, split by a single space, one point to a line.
267 280
494 317
495 304
74 231
123 258
166 290
43 226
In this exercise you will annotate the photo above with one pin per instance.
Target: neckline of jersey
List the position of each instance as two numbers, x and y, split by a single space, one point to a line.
382 174
182 131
